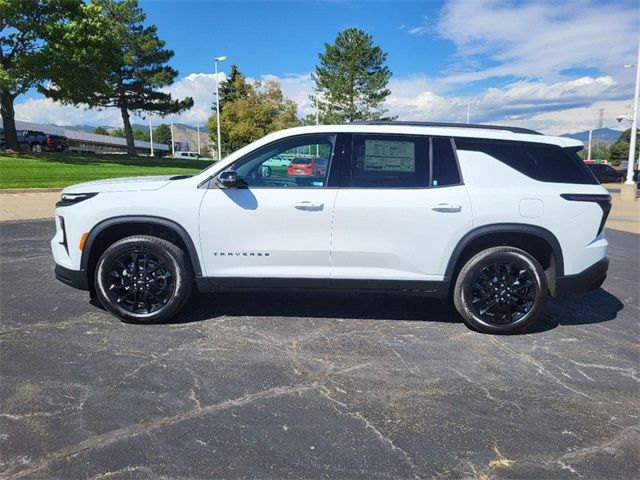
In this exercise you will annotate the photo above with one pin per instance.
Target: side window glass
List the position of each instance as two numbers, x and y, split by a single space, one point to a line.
292 162
543 162
389 161
444 166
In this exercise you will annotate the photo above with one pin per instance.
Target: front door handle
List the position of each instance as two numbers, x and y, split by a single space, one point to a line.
309 206
447 208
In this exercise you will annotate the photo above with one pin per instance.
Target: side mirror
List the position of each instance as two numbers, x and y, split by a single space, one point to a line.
228 179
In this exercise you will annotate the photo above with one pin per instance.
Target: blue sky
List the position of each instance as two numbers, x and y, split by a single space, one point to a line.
541 64
285 37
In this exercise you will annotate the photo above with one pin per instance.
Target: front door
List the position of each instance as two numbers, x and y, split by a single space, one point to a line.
276 227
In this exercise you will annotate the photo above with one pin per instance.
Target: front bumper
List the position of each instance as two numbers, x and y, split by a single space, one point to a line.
74 278
589 279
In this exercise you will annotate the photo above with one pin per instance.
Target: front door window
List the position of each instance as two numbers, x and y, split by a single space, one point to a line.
302 161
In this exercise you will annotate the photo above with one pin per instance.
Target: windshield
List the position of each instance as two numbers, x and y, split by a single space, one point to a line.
301 161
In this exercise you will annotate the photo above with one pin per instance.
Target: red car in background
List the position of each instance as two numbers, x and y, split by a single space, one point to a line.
307 167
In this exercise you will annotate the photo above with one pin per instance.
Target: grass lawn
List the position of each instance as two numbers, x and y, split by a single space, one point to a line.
52 170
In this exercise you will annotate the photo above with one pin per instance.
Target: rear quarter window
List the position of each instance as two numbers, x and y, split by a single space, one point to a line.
542 162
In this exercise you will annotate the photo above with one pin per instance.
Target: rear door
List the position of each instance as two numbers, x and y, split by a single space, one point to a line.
402 210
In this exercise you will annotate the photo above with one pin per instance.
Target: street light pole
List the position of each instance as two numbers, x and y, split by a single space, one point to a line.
215 62
151 135
589 150
468 111
634 122
198 138
173 144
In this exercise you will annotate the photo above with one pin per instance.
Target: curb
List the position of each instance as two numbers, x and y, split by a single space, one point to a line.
30 190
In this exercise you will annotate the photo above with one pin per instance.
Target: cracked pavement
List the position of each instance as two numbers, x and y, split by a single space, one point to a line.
313 385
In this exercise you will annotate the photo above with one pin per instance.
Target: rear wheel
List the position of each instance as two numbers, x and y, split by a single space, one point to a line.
143 279
36 148
500 290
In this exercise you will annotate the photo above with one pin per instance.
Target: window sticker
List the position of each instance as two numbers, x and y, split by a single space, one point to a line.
389 156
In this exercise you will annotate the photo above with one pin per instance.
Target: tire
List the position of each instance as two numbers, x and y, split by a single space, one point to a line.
500 290
36 148
160 272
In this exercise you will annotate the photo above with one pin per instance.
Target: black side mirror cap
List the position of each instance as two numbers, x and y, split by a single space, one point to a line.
227 179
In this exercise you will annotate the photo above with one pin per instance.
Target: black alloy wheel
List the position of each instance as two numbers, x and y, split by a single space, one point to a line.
143 279
500 290
503 293
141 282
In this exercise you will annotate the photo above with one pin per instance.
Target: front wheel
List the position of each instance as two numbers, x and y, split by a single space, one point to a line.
36 148
143 279
500 290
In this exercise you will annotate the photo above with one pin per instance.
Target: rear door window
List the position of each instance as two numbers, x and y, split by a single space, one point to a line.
444 165
389 161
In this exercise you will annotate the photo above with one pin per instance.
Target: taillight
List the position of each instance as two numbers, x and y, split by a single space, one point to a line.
604 200
48 140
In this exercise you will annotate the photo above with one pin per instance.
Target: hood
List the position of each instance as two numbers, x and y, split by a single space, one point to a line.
125 184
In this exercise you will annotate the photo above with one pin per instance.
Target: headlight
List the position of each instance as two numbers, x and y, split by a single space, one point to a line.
73 198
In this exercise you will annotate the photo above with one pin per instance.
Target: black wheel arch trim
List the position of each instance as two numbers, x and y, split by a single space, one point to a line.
491 229
148 219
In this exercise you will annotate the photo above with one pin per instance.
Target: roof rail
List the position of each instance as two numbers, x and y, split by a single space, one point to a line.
445 124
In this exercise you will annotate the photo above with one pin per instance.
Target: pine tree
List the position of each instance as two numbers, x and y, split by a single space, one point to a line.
138 69
619 150
234 87
162 134
351 79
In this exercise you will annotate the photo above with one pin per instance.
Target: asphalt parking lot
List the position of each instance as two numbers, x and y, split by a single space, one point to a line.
285 385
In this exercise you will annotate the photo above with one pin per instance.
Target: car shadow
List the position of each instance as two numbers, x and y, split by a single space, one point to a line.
589 308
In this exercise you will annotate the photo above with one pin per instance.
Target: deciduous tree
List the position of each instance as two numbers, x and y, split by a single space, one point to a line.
101 131
46 40
261 111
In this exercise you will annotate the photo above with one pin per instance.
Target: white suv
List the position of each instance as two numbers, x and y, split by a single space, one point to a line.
495 217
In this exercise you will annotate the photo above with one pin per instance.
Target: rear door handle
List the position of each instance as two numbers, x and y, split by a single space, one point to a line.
447 208
308 206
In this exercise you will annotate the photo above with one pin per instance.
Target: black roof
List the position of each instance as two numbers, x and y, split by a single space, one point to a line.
445 124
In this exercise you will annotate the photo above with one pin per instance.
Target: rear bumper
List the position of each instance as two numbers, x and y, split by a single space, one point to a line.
589 279
73 278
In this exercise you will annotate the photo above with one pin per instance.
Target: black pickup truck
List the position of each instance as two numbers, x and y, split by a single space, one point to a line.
43 142
39 141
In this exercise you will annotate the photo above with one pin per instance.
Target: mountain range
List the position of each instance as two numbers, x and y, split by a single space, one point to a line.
606 135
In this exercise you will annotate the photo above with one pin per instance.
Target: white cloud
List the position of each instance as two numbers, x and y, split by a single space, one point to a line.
44 110
539 39
576 119
419 30
552 107
199 86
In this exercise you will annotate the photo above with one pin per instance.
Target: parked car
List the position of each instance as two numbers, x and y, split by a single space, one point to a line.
307 167
496 218
42 142
606 173
190 155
